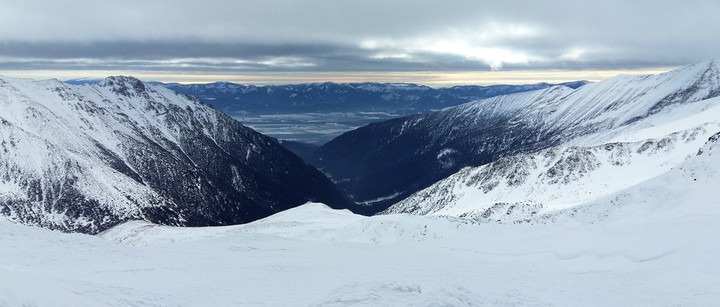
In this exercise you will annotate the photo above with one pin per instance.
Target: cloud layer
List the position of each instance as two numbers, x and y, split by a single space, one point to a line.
370 35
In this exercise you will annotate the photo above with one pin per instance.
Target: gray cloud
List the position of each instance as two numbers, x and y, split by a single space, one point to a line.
372 35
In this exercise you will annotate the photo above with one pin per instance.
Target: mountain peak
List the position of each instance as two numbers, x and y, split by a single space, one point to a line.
124 85
714 62
700 68
709 65
714 65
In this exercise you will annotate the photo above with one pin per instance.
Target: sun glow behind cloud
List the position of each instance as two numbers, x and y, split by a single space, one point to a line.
483 44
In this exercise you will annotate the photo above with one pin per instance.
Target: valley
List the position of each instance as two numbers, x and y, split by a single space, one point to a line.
311 128
315 113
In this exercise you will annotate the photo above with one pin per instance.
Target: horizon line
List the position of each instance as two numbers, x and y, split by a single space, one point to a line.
435 79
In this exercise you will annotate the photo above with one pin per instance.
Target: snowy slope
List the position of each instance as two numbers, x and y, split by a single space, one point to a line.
689 189
314 256
85 158
522 187
393 159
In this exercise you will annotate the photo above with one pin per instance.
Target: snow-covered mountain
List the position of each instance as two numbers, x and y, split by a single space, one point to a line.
393 159
646 139
85 158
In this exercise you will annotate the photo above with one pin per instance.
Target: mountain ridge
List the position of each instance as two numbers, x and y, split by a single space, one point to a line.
535 186
439 144
84 158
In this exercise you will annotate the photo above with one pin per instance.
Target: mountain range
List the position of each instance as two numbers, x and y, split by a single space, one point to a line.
610 188
315 113
87 157
238 99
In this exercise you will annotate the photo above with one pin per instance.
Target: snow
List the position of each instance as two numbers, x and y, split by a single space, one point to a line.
555 178
669 120
315 256
687 190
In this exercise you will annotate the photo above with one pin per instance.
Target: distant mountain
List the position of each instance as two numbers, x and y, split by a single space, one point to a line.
383 163
237 99
85 158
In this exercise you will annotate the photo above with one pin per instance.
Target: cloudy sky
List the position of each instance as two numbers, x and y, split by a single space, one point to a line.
426 41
